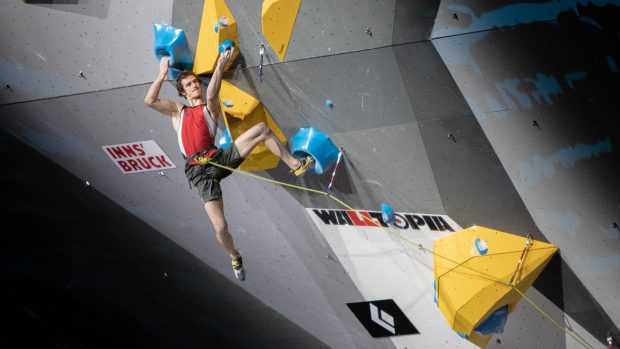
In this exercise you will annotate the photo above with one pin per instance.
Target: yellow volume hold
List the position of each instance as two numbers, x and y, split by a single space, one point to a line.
278 18
472 270
242 111
216 26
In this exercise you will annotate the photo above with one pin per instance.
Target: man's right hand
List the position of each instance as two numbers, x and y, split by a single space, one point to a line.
163 66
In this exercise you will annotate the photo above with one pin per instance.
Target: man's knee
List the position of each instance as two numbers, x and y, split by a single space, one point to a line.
260 127
264 129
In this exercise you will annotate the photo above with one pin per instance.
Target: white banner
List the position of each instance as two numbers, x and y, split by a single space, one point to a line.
385 266
138 157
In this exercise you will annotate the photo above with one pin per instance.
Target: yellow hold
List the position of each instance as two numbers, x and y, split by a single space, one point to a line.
242 111
215 16
471 286
278 17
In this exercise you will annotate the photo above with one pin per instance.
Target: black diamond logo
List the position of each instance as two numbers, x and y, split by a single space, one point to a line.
382 318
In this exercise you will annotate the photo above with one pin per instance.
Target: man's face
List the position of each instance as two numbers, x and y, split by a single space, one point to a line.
191 87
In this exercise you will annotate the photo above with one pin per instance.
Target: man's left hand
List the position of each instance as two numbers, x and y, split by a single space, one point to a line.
225 57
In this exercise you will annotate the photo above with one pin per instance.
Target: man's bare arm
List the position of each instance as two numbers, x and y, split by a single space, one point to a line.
164 106
213 90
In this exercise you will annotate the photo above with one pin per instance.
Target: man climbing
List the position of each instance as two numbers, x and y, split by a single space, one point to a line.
195 125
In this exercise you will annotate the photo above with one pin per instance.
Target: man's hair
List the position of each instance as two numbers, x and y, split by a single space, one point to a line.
182 75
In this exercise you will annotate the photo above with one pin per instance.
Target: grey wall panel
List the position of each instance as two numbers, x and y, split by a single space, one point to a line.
472 182
390 165
187 15
365 87
527 328
48 45
284 254
325 27
470 16
248 15
414 20
561 75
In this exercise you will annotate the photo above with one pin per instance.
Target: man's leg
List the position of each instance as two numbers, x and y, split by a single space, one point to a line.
261 133
215 211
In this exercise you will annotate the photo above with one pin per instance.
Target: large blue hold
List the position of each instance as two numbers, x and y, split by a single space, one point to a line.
309 141
172 42
494 323
225 45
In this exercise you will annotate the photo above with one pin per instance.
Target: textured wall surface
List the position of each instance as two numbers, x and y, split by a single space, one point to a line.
528 91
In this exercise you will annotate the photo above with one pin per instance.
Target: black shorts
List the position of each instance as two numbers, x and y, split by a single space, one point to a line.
206 178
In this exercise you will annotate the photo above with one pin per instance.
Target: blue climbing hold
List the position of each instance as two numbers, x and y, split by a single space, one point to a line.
216 28
387 213
310 141
227 103
172 42
481 246
462 335
329 103
225 45
223 21
494 323
225 140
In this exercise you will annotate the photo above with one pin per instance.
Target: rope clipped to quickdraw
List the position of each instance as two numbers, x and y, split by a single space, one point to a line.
331 182
528 243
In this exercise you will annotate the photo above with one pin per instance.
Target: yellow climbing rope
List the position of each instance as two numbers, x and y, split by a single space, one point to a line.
411 242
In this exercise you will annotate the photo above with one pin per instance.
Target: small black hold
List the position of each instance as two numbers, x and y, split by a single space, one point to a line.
8 87
615 226
451 136
498 341
368 31
455 17
535 124
80 74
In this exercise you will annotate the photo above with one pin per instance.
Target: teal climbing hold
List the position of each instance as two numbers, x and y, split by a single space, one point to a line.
172 42
310 141
225 45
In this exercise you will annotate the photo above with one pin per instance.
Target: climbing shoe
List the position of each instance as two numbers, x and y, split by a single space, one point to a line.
237 265
304 165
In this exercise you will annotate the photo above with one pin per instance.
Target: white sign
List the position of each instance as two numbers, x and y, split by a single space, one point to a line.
385 266
138 157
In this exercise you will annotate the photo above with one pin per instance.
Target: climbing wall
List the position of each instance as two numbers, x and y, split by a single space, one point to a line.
497 114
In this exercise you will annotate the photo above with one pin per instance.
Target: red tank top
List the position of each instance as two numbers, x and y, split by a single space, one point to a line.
196 130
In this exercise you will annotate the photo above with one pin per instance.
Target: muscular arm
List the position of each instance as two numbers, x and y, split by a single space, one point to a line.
152 99
213 90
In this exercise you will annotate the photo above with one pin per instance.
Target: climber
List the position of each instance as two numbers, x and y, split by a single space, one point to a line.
195 125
